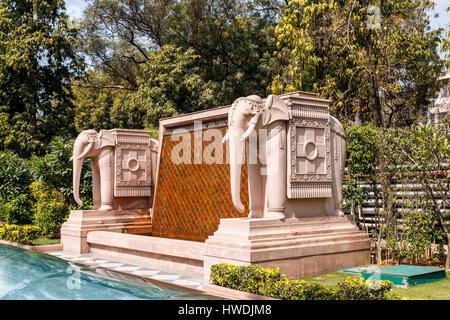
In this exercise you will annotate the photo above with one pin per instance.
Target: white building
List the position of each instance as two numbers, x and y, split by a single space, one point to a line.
441 108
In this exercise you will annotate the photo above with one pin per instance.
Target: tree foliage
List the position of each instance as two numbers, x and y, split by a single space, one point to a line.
414 161
377 61
426 149
15 175
170 84
446 45
231 39
37 60
55 170
100 107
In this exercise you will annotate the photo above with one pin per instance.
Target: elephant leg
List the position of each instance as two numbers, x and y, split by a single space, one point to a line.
276 171
338 146
96 196
106 178
340 166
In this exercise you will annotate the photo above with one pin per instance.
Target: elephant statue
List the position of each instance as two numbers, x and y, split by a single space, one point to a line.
252 119
100 148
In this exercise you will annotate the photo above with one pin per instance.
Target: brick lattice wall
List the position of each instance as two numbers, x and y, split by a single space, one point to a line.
190 199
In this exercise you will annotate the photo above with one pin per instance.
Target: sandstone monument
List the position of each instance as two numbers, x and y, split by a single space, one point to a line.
295 219
304 156
123 174
269 195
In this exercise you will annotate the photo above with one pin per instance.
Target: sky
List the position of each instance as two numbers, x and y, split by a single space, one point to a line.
443 21
75 10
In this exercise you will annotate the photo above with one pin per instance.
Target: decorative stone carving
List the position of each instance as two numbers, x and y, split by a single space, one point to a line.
304 155
309 159
133 164
123 167
100 148
123 175
300 182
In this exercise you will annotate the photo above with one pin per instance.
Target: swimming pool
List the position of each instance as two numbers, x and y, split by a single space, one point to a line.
30 275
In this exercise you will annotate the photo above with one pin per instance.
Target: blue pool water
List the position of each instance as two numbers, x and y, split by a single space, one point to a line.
30 275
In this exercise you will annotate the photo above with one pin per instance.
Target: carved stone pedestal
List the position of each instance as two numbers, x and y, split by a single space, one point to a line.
74 231
299 247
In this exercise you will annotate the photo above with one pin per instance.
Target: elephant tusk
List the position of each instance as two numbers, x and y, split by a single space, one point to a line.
225 139
86 151
249 131
269 102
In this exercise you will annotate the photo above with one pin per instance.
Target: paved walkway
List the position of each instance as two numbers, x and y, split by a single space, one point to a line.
187 281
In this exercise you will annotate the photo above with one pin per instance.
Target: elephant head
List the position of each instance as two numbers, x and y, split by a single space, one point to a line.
247 114
89 143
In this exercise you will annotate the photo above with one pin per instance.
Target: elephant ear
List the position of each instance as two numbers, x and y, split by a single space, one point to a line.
105 139
275 109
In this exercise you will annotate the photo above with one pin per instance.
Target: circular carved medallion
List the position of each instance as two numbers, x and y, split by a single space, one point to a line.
310 150
133 164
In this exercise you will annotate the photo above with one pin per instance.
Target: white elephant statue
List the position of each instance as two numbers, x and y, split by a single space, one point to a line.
123 167
100 148
251 119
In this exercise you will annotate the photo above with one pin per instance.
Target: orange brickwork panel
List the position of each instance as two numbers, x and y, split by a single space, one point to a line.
190 199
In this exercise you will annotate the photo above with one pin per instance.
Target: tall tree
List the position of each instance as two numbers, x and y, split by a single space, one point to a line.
98 105
37 60
446 44
376 58
233 40
168 84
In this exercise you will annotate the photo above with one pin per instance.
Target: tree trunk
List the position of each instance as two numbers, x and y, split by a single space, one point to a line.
380 225
379 251
375 100
358 118
320 52
445 229
447 261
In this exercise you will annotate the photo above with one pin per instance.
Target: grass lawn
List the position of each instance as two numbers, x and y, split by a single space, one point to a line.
44 241
439 290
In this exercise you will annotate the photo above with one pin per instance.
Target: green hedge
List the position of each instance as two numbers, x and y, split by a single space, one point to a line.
50 209
25 234
250 278
17 210
271 283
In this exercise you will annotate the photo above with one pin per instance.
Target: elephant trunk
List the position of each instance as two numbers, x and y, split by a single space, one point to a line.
79 153
237 147
77 165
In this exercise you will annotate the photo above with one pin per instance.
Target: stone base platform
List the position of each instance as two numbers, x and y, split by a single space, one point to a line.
299 247
74 231
174 255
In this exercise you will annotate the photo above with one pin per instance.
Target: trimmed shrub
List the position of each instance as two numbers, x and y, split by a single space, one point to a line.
25 234
360 289
50 209
295 289
414 216
249 278
271 283
17 210
55 171
15 175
